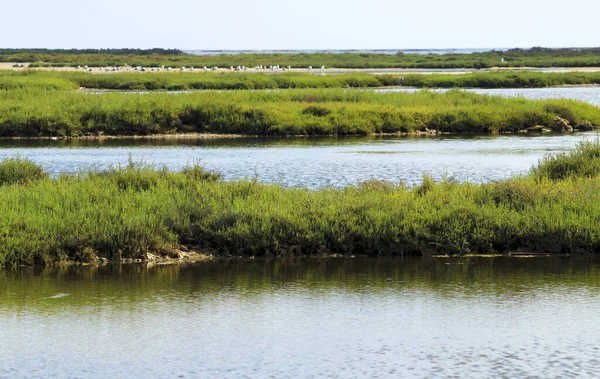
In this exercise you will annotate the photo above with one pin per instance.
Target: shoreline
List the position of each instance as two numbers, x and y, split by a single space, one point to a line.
215 136
209 136
377 89
186 256
182 136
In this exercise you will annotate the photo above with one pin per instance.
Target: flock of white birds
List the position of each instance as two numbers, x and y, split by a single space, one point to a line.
183 68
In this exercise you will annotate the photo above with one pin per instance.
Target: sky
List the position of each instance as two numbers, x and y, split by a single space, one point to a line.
301 24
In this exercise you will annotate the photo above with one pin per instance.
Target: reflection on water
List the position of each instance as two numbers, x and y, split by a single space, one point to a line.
311 162
467 317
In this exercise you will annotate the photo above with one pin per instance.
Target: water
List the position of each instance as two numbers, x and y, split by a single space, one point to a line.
309 318
311 162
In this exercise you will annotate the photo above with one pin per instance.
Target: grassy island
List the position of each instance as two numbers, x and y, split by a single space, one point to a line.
191 81
49 113
130 212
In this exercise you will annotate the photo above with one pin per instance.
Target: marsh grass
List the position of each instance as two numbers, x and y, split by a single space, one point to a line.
126 212
583 161
20 170
177 81
522 79
39 113
181 81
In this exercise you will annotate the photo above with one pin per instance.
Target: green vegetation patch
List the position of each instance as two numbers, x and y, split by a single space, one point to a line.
177 81
128 212
39 113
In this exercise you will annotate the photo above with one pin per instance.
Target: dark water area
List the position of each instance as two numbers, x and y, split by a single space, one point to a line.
459 317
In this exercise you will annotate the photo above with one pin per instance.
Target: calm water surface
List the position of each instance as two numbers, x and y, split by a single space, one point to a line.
306 318
312 162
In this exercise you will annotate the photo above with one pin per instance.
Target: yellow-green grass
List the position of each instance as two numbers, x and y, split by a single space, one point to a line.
177 81
39 113
130 211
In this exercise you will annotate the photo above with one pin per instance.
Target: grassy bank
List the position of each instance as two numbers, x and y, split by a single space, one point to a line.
131 211
536 57
176 81
521 79
38 113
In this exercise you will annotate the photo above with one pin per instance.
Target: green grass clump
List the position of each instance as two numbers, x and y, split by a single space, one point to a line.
37 113
583 161
33 81
127 212
20 171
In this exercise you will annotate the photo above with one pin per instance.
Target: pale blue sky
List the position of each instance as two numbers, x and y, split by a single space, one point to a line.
303 24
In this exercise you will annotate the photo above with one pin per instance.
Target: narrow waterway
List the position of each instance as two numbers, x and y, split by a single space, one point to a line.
311 162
